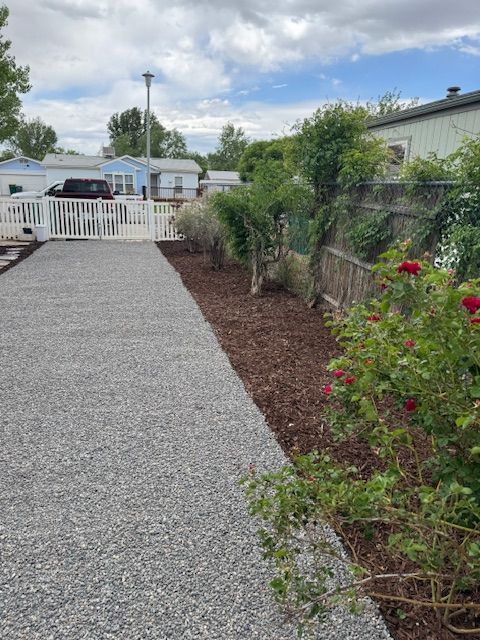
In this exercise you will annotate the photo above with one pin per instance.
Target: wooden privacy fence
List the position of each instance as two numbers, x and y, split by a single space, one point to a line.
341 277
71 219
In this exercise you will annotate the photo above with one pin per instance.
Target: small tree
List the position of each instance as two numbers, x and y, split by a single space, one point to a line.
256 217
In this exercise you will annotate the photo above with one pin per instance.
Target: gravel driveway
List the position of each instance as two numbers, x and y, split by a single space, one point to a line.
124 431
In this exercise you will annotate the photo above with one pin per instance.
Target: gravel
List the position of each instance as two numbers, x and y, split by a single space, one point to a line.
124 432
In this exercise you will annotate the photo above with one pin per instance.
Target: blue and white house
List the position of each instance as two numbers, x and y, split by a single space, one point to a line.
23 174
169 177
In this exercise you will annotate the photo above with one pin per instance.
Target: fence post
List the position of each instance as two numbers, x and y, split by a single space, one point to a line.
151 219
100 218
46 214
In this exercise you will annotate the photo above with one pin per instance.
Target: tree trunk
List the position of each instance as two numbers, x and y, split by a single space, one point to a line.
258 272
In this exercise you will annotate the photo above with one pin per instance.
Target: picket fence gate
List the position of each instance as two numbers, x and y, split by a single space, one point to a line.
70 219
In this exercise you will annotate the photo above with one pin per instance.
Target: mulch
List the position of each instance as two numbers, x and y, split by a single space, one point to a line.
280 349
25 251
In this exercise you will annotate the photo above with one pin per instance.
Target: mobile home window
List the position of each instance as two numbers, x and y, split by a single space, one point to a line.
178 184
122 182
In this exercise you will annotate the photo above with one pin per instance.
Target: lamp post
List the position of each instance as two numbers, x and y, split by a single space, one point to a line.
148 81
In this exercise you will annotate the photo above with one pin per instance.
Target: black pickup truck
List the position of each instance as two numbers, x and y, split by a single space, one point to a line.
85 189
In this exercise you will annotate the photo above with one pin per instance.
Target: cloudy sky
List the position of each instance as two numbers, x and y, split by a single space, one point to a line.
260 64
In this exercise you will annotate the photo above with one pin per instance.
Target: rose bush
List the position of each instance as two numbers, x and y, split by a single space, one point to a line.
408 382
416 348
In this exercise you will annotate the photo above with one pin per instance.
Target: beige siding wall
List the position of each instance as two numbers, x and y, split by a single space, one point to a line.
441 134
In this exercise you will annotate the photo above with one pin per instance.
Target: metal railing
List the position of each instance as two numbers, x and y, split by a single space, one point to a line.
173 193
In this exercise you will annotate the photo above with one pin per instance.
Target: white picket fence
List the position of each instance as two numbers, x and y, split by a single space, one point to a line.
70 219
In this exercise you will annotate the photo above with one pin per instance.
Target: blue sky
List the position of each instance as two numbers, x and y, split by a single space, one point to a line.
261 67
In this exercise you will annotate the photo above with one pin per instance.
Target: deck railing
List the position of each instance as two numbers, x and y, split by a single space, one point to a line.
173 193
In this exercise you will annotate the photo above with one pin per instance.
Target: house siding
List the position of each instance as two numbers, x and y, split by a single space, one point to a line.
123 166
167 179
440 134
15 166
30 176
29 182
119 166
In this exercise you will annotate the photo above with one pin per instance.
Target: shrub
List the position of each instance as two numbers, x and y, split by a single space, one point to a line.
199 224
408 383
187 222
255 217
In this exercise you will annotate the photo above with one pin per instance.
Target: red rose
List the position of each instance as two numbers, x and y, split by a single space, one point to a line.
409 267
327 389
471 303
475 321
409 343
374 318
410 405
349 380
338 373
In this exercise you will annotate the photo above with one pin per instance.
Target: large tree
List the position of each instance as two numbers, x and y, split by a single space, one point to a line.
128 135
232 142
128 125
261 150
164 143
13 80
34 139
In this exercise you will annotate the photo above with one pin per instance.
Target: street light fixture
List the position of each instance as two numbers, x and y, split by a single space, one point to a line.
148 82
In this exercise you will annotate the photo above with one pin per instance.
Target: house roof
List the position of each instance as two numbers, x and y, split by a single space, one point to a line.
173 164
454 102
223 176
82 162
67 160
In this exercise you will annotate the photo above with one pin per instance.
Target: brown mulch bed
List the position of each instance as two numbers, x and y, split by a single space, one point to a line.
280 348
25 251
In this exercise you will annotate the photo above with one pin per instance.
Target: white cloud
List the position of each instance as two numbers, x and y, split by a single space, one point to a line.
470 50
87 56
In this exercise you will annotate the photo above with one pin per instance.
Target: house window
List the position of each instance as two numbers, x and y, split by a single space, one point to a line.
122 182
178 184
400 150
